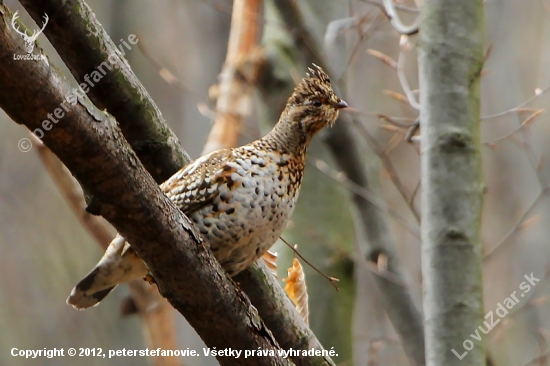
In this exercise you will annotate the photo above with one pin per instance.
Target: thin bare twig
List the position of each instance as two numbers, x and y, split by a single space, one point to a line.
517 227
404 8
530 152
394 141
396 121
367 195
414 193
388 8
364 36
383 57
395 20
523 124
399 65
517 108
402 77
165 73
388 165
329 278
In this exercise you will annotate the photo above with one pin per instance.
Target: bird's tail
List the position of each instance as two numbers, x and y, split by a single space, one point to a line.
119 264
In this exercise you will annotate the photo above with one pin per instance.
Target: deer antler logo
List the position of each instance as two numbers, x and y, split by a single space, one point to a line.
29 40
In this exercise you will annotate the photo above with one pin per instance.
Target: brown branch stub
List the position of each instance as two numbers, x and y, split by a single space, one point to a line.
92 147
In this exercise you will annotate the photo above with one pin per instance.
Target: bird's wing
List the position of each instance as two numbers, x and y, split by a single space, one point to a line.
196 184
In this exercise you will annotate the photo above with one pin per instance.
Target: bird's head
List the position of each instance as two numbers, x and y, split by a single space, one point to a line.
313 103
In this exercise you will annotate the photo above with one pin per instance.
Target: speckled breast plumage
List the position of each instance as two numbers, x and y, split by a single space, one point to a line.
240 199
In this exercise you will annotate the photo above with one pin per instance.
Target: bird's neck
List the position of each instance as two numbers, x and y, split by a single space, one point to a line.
287 137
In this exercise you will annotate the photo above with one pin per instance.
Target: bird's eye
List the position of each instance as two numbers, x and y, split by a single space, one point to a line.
317 102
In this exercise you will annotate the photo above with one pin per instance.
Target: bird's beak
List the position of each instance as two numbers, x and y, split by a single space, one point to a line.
341 105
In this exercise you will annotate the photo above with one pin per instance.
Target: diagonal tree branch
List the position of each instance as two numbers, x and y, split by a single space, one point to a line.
92 147
155 312
84 45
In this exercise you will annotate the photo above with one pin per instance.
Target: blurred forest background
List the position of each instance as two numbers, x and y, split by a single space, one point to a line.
44 250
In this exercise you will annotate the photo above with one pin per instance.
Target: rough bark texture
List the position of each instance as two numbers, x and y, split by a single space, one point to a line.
451 59
280 314
154 310
84 45
92 147
404 315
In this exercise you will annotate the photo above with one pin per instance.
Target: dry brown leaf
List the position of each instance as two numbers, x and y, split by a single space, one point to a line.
270 258
296 289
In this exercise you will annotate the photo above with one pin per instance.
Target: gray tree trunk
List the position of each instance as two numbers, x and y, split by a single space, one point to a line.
451 59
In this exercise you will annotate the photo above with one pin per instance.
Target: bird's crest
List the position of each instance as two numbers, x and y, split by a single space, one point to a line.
316 83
